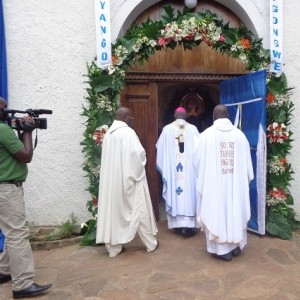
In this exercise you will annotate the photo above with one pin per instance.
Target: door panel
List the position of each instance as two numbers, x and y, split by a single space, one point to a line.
141 98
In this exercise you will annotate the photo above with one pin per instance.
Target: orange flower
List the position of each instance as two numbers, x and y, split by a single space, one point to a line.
246 43
283 161
114 59
270 98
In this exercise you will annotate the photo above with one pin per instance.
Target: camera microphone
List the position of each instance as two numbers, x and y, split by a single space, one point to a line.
12 111
39 111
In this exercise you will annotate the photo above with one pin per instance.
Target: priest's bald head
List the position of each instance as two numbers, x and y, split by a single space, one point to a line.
220 112
125 114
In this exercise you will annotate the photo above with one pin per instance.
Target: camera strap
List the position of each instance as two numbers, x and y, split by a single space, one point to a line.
36 139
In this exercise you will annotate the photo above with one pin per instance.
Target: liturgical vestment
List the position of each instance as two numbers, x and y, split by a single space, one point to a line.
178 174
124 200
224 167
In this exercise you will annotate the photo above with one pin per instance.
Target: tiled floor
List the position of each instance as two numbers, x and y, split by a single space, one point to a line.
269 268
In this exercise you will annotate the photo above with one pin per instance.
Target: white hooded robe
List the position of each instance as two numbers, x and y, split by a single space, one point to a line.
124 198
224 171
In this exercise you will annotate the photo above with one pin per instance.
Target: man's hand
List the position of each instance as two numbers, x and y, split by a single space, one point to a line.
27 123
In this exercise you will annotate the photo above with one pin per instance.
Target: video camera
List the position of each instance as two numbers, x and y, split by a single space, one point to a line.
39 123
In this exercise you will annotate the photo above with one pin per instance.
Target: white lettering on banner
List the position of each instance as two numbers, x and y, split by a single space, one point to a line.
103 33
276 21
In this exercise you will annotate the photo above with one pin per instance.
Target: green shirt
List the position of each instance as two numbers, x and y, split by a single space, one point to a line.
10 167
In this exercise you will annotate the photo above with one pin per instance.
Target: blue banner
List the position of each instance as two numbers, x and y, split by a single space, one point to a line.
245 98
3 67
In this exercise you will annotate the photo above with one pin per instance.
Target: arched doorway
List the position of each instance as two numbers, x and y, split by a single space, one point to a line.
154 89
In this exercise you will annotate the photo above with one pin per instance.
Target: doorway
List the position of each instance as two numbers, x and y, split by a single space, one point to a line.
153 98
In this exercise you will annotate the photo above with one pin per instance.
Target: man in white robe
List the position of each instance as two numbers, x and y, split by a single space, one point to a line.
124 205
224 170
174 150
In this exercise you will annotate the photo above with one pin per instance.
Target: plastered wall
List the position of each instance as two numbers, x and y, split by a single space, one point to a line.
48 45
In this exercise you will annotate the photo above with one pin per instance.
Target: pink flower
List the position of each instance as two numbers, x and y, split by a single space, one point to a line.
161 41
98 135
189 37
222 39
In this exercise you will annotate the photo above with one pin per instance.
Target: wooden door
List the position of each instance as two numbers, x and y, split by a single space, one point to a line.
141 97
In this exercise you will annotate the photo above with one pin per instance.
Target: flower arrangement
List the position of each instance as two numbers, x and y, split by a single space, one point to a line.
277 133
276 196
189 29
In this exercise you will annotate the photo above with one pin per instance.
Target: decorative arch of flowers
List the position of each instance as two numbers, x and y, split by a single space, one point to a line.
190 29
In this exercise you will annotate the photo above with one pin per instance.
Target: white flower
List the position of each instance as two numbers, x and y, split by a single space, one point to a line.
108 108
152 43
233 48
243 57
105 127
216 36
136 47
120 61
82 225
111 69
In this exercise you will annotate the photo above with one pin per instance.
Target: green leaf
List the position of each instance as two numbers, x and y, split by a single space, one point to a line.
278 226
102 83
168 15
278 85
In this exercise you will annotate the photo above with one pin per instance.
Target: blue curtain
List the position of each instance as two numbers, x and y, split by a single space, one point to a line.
244 89
3 80
3 68
2 238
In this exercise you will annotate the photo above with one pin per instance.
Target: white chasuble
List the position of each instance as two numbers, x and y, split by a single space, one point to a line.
224 167
174 161
124 197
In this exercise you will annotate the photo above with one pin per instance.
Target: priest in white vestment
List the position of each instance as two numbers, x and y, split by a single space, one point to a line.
124 204
224 170
174 162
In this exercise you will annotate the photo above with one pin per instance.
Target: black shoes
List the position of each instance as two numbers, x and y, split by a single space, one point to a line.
226 257
5 278
33 290
236 252
185 231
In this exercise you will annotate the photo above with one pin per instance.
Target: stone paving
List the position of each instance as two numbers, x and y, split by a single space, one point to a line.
269 268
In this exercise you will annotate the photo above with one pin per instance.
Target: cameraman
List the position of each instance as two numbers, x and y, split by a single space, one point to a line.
16 261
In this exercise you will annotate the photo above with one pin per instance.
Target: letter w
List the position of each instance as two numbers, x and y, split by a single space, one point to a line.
276 53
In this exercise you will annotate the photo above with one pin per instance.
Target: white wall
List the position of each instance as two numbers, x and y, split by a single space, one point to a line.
291 68
48 45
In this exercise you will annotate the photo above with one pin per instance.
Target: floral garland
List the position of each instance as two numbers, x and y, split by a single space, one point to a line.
190 29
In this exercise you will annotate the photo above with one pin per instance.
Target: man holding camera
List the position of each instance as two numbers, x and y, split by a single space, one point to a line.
16 261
